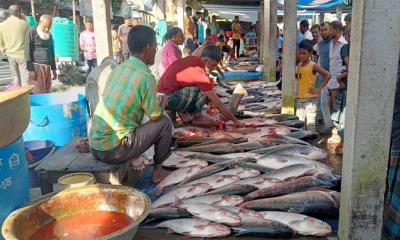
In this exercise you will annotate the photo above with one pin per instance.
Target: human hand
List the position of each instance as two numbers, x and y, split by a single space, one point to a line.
314 91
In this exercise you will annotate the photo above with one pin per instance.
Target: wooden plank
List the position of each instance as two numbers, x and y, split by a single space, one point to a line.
61 159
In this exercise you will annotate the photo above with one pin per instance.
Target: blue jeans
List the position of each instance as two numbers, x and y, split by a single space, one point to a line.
90 64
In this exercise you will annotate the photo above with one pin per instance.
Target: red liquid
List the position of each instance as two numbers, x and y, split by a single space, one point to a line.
85 226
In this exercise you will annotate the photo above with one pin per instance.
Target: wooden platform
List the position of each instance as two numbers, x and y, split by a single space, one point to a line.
68 160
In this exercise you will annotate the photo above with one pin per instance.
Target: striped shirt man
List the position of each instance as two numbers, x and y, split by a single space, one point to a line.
129 94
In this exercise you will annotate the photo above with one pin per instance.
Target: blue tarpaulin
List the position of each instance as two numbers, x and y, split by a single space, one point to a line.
315 4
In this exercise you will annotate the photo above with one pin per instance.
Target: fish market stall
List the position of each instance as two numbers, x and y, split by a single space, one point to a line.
265 179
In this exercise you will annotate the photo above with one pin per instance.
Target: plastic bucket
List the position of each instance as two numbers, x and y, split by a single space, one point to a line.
37 151
58 117
14 183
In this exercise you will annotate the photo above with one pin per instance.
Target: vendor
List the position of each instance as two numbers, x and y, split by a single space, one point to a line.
117 133
188 86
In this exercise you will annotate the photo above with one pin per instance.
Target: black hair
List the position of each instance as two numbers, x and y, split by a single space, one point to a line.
237 17
304 23
139 37
89 20
306 44
188 8
172 32
348 18
315 26
212 52
337 25
325 23
214 16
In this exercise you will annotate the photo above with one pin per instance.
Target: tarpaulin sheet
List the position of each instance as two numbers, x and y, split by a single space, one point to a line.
315 4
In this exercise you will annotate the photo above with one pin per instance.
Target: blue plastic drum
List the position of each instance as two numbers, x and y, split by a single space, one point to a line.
58 117
14 179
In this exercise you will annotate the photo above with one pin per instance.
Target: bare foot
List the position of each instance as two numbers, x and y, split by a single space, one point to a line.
159 173
138 164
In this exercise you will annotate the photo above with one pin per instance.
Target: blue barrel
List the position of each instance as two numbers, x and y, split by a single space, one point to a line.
58 117
14 179
65 36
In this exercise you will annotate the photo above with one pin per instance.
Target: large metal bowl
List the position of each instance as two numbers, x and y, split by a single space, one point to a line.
24 222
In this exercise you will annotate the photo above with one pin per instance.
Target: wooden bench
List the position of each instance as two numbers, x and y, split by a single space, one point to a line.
68 160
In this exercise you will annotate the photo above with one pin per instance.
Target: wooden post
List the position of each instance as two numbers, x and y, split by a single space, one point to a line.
270 20
73 11
262 32
369 116
180 6
102 28
33 9
289 61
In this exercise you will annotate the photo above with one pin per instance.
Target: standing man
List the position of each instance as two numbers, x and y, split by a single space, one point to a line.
87 43
322 49
39 54
189 28
12 44
236 31
214 26
305 30
117 134
123 31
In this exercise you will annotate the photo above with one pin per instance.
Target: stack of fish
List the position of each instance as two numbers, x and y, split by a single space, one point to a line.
271 183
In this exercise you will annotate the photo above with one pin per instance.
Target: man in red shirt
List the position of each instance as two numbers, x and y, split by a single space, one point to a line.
188 87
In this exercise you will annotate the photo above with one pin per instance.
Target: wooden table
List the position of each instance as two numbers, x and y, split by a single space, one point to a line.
68 160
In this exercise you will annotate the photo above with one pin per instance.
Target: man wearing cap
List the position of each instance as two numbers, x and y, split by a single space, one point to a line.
12 44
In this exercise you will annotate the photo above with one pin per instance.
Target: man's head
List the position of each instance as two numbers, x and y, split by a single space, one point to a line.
214 18
127 20
325 30
89 25
347 19
305 50
175 34
188 10
315 31
135 22
336 29
236 19
304 26
211 56
15 11
44 26
142 43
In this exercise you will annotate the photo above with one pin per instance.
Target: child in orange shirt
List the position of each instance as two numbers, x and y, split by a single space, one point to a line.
307 93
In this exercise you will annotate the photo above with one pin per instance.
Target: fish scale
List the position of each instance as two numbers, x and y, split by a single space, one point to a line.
278 161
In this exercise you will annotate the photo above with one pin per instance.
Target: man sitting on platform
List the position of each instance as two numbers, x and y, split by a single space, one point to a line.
117 133
188 86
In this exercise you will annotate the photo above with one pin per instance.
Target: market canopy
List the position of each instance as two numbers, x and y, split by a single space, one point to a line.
316 4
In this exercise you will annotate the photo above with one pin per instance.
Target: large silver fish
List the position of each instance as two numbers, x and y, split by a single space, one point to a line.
217 200
216 181
277 161
297 170
294 185
184 162
313 201
176 177
196 228
302 224
178 194
264 228
306 151
242 173
212 213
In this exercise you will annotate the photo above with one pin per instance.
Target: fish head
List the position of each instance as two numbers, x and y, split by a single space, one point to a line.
252 172
250 213
232 199
199 187
311 226
314 153
219 229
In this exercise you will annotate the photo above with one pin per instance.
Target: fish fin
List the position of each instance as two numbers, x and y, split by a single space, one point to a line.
200 227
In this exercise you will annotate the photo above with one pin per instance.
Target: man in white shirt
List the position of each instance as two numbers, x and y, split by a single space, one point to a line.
305 30
335 68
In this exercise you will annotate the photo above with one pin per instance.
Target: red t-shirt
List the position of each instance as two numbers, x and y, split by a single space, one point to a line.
186 72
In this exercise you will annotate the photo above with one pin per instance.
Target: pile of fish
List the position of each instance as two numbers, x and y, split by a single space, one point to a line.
260 180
